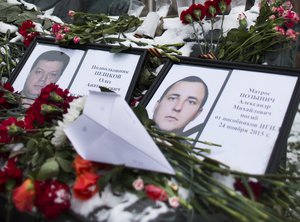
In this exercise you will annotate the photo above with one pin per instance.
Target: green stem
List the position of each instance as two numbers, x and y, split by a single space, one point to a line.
221 34
246 44
197 38
212 34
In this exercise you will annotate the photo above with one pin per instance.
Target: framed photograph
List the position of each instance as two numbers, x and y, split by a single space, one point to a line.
43 63
247 109
79 68
115 71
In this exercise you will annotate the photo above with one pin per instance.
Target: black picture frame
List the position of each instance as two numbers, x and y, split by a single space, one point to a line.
255 123
78 57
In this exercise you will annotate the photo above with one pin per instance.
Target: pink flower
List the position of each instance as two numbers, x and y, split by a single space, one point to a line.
280 10
71 13
291 15
67 29
280 30
138 184
174 201
56 28
59 36
76 39
291 34
272 17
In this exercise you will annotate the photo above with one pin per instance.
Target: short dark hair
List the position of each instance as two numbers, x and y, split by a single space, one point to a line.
53 55
189 79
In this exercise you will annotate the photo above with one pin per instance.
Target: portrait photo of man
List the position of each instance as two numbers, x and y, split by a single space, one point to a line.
180 104
183 97
45 63
46 69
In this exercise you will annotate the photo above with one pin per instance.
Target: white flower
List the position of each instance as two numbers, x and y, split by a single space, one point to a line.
74 111
174 201
138 184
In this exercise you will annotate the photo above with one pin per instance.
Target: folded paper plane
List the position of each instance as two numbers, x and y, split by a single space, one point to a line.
108 131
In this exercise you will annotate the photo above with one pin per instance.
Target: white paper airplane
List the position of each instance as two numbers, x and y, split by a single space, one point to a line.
108 131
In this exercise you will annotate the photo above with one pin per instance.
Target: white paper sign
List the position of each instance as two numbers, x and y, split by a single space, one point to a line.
108 131
247 119
103 68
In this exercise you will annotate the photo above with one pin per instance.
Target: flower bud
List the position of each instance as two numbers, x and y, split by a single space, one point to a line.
212 10
49 109
71 13
138 184
55 97
223 7
174 202
76 39
14 130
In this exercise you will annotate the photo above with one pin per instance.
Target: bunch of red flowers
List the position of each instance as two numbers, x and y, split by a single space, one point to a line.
9 171
27 30
51 104
50 197
210 9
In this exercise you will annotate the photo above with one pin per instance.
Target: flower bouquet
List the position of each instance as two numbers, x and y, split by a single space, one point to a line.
273 27
42 174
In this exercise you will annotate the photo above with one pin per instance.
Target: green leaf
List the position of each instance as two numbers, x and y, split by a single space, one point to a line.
48 170
9 12
66 165
31 144
221 54
27 15
35 159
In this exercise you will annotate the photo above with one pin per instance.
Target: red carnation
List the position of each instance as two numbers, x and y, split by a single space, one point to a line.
156 193
212 8
51 103
224 5
28 32
198 11
26 26
10 129
34 116
29 38
9 171
186 16
7 98
52 198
